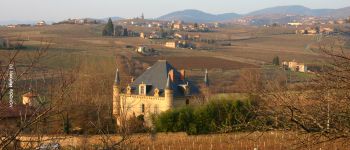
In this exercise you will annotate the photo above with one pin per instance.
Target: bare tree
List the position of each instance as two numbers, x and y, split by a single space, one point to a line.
321 107
52 99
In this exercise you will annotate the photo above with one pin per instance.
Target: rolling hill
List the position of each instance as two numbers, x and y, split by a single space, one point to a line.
294 9
191 15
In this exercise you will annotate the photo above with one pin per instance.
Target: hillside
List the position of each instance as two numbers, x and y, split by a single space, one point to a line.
192 15
343 12
295 9
301 10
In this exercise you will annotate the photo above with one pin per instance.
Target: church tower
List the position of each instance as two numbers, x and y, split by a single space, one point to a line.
116 92
168 94
143 17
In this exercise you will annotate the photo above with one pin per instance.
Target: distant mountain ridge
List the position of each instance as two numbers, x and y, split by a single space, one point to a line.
192 15
293 9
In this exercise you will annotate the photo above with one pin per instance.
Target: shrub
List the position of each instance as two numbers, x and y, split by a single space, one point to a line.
216 116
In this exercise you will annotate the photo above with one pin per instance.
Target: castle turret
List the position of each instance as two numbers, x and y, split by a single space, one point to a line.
116 92
168 94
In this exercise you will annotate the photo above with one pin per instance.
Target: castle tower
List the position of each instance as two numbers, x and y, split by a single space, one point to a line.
168 95
116 92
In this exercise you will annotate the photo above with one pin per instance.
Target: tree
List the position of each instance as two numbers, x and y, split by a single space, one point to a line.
320 107
66 124
36 117
318 30
276 61
195 25
108 30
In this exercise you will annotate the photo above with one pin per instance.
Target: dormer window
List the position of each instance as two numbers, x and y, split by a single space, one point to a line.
156 92
142 89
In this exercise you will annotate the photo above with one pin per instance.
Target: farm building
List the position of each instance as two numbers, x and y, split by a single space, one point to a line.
295 66
172 44
158 89
41 23
178 26
146 51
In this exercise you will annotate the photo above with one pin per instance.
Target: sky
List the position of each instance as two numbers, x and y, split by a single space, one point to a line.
56 10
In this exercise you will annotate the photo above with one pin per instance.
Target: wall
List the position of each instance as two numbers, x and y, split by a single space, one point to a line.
132 105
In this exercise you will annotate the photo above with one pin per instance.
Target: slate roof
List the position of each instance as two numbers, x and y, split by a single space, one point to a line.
156 77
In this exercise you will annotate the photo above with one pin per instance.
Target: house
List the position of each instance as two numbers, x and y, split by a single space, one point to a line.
146 51
295 24
142 35
217 25
326 30
294 66
12 117
160 88
172 44
194 37
155 35
141 49
341 21
41 23
177 26
11 26
181 36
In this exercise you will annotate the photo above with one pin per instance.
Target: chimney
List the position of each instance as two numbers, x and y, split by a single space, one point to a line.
183 74
171 75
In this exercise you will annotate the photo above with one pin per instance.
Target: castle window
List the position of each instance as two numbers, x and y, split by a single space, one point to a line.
142 108
187 101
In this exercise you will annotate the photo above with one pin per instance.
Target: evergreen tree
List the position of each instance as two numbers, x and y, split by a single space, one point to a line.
195 25
66 124
108 30
276 61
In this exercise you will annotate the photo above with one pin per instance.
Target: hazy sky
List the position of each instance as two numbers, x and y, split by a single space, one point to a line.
54 10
